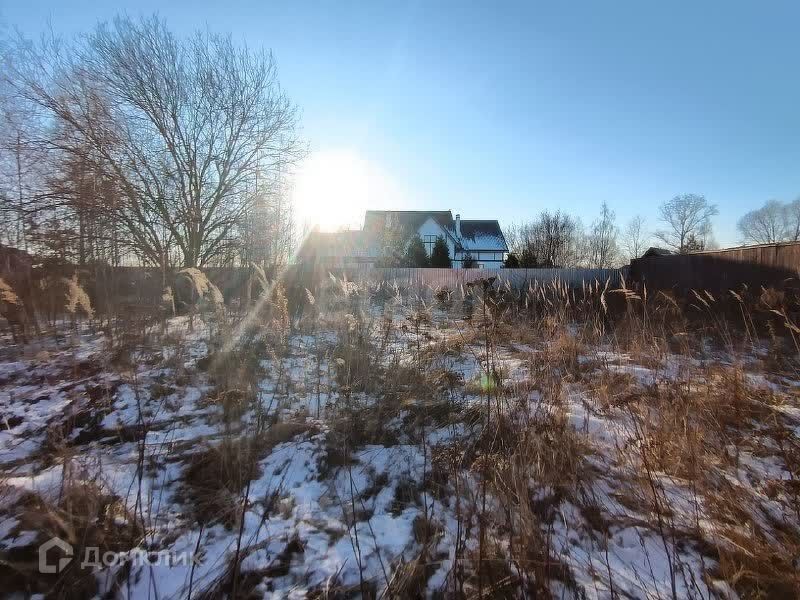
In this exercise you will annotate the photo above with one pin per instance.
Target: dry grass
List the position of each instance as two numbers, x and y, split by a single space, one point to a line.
8 297
198 286
77 298
757 563
512 466
215 476
685 424
84 515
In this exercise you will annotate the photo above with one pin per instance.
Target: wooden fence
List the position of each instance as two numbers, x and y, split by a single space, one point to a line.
754 266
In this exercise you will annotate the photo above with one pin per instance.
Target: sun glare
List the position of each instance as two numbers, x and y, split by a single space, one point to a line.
333 188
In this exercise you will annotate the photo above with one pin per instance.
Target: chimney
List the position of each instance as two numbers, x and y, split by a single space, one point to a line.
458 226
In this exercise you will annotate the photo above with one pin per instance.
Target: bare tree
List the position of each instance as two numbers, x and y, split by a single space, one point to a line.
520 240
552 240
20 163
634 237
512 233
558 240
686 218
79 199
184 125
602 240
268 233
766 225
792 214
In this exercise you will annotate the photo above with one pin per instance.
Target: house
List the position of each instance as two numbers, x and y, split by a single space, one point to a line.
483 240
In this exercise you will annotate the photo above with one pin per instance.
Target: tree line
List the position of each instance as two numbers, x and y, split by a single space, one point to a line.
557 239
132 145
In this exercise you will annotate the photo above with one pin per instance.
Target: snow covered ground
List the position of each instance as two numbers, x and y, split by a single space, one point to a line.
375 488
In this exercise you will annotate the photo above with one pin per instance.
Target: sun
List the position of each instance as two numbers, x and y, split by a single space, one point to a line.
333 188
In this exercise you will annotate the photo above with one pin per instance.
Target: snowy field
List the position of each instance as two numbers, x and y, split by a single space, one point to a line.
397 451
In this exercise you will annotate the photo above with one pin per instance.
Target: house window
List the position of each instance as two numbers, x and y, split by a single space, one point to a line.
429 241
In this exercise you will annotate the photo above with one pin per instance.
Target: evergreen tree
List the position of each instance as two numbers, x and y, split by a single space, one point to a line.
528 259
512 262
468 262
693 244
440 256
415 253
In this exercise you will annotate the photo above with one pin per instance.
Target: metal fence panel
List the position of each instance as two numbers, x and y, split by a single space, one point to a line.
453 278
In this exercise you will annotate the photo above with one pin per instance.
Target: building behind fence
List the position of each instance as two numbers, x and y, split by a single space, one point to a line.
754 266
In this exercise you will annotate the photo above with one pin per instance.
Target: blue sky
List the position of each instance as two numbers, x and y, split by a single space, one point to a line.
502 110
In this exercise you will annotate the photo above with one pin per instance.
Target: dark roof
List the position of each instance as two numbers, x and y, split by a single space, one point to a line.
375 220
653 251
475 234
475 228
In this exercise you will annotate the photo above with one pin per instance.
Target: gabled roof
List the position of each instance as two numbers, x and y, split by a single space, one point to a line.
475 234
376 220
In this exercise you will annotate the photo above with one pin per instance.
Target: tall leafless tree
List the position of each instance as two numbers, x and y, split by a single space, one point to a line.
79 203
185 126
792 214
686 218
551 240
21 162
634 237
267 234
602 240
766 225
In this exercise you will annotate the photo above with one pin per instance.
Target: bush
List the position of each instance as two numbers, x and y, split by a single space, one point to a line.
192 287
512 262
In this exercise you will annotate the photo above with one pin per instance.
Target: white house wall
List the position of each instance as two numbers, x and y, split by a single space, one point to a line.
489 260
432 228
485 260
